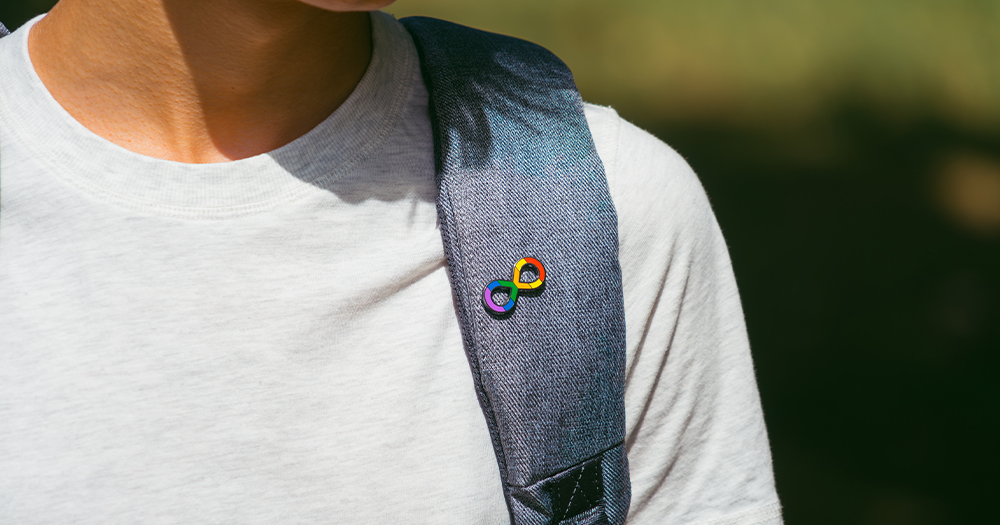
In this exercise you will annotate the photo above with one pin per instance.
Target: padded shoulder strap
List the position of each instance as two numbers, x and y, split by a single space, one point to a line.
521 188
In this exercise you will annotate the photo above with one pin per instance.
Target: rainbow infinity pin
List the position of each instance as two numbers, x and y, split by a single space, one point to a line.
513 287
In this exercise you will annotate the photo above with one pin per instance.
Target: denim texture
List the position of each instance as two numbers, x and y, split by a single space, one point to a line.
518 176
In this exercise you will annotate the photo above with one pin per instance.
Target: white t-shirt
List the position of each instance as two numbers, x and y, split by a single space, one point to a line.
273 340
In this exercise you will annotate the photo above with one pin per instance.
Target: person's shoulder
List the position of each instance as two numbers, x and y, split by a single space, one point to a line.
656 192
6 39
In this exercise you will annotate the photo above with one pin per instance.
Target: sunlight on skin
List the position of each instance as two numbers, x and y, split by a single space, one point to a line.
200 82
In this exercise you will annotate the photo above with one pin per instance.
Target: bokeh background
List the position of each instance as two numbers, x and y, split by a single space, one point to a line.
851 150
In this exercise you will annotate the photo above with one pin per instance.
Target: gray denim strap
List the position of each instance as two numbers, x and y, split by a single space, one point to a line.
518 176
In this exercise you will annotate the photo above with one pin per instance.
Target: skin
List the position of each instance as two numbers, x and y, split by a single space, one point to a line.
202 81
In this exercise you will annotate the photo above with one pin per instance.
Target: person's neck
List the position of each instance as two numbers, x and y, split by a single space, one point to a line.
199 81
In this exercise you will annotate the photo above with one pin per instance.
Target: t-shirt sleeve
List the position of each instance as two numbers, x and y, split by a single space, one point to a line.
697 446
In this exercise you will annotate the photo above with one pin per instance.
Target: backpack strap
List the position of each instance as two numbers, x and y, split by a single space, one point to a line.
520 185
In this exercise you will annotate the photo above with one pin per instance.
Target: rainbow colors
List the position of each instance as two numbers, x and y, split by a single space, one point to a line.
513 286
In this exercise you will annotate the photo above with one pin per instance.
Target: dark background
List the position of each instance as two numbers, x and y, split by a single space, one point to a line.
852 154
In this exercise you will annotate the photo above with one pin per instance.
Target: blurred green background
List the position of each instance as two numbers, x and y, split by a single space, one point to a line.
851 151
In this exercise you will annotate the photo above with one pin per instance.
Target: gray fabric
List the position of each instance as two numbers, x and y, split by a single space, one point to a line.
3 32
519 176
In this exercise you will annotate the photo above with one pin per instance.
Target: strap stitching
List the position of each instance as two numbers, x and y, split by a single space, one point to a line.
573 495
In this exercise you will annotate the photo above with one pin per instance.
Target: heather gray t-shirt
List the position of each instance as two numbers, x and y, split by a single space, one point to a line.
273 340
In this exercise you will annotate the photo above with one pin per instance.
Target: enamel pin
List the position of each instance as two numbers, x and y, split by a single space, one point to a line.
513 287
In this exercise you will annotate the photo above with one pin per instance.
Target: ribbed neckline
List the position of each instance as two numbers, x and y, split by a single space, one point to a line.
210 191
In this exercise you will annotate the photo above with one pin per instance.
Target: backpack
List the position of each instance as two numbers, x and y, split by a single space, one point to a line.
525 212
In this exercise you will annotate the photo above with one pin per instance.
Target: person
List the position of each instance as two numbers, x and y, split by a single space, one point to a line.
224 297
